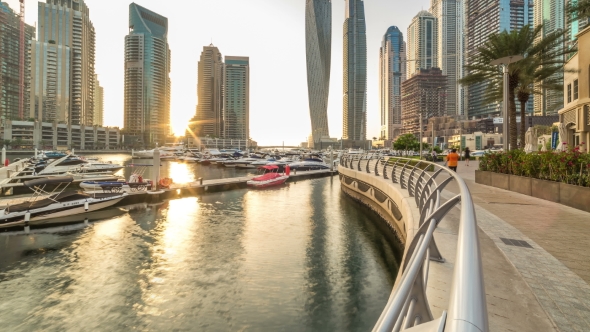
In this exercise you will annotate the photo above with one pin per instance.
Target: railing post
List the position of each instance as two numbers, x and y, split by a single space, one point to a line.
377 166
368 162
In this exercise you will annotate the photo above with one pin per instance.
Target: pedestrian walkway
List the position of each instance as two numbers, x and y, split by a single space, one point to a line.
548 244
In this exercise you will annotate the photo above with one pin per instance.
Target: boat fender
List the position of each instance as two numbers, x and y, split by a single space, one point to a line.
86 206
27 217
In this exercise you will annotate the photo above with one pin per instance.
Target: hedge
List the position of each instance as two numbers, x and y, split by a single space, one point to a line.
571 166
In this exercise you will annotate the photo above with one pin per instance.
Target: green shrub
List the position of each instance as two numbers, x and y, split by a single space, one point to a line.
571 167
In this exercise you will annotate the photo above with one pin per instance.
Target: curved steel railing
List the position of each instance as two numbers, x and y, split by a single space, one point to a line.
408 307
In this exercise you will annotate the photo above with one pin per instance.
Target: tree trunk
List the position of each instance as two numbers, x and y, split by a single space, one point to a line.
523 98
512 113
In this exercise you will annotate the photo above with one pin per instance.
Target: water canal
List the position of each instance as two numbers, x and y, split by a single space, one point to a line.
303 257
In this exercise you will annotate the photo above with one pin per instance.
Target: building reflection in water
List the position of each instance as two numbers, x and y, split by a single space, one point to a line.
300 257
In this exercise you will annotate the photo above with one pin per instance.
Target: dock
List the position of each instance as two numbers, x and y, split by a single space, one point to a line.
175 191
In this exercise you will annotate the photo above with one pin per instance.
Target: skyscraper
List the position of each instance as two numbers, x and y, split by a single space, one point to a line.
422 43
318 37
483 18
551 13
449 16
392 73
98 103
424 97
208 120
355 72
574 26
10 63
236 105
66 38
147 80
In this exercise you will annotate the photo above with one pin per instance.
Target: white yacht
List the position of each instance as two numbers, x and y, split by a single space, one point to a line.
72 163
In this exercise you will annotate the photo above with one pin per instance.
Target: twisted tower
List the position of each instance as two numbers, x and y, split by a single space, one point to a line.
318 37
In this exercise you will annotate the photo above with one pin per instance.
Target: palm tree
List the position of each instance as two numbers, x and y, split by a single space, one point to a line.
579 9
543 58
542 70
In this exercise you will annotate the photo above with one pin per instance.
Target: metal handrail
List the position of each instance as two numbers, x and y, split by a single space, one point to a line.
408 305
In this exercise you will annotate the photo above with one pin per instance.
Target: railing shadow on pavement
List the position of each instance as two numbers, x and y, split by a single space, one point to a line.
408 307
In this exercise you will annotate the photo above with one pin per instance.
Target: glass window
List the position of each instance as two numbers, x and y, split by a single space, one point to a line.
569 93
575 89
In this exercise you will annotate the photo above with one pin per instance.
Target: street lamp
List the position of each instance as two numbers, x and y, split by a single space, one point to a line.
506 61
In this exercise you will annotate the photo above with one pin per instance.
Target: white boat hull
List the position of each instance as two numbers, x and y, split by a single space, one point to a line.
77 210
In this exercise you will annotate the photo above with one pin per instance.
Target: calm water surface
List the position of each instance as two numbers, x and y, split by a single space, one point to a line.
302 257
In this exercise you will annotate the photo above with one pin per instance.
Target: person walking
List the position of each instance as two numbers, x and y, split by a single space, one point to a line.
453 160
434 156
467 156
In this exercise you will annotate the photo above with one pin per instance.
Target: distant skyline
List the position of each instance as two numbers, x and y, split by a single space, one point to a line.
270 32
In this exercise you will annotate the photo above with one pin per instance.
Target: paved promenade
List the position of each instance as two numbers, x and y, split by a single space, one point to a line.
553 260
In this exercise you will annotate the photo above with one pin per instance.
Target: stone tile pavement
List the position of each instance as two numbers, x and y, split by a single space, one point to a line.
557 267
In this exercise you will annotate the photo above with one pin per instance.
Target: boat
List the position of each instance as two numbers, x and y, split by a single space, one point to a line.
43 205
52 154
270 177
135 184
76 164
308 166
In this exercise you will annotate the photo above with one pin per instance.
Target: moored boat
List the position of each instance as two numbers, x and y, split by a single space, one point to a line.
270 177
56 204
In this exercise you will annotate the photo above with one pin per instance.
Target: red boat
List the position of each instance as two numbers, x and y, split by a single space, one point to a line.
270 177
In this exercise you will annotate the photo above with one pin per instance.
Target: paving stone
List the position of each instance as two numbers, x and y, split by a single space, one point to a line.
557 269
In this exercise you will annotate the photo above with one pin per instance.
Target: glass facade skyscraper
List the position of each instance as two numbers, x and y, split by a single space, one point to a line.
63 63
208 120
236 105
449 16
483 18
318 42
551 13
147 76
50 82
355 72
98 102
10 63
422 43
392 73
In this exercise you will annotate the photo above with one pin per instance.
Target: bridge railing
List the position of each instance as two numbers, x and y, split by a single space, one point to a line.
408 307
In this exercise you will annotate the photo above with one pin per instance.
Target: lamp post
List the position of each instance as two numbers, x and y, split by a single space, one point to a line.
505 62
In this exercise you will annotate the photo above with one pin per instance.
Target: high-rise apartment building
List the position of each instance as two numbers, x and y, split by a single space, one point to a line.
574 26
449 16
424 96
482 19
208 120
10 64
422 43
355 72
551 13
318 42
98 103
392 73
236 105
147 76
62 76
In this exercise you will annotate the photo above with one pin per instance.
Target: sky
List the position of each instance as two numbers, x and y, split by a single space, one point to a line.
270 32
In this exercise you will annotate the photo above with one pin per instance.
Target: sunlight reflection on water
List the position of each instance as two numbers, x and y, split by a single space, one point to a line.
302 257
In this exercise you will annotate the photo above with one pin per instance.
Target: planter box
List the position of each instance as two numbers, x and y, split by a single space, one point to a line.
547 190
520 184
483 177
501 181
575 196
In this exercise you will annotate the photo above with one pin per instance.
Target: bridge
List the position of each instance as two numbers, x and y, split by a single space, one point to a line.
466 267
